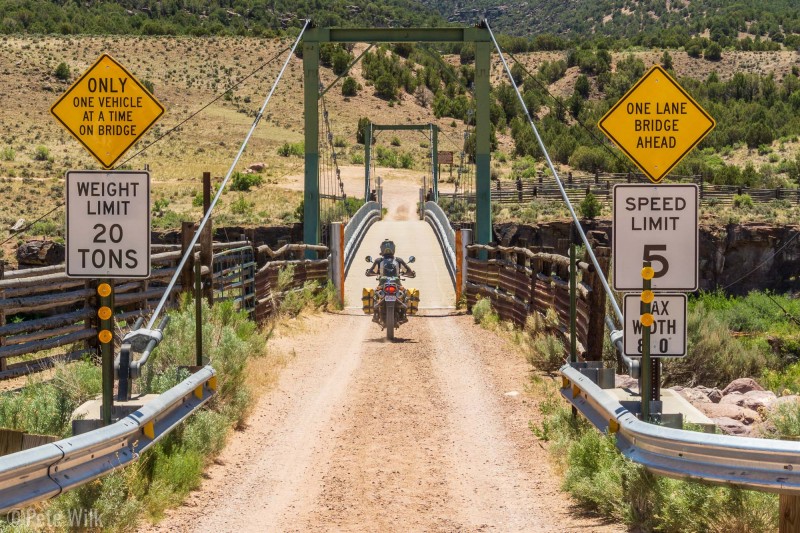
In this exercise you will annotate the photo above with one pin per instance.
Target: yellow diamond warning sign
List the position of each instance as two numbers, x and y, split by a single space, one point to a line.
656 123
107 110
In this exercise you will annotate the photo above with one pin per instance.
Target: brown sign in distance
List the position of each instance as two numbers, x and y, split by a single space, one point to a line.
107 110
656 123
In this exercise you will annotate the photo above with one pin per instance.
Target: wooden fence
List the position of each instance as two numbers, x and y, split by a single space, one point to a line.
268 293
601 186
521 281
42 310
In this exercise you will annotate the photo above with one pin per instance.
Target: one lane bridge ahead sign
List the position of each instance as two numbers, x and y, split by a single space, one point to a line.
108 224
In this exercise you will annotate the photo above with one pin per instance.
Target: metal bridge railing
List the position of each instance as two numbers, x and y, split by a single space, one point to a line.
445 234
46 471
356 228
761 464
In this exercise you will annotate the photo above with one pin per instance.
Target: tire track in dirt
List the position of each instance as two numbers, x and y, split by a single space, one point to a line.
366 435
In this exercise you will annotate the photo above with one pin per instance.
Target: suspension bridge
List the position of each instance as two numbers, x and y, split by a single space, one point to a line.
428 432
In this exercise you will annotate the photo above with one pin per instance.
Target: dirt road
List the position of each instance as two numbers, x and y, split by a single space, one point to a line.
427 433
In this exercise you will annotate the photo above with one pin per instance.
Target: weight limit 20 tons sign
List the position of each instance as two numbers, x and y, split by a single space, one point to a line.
668 331
108 224
655 224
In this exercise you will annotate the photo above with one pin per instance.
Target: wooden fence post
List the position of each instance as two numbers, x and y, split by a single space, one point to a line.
597 297
3 364
789 519
187 275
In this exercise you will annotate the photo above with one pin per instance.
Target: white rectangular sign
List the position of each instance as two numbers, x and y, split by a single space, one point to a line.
108 224
655 223
668 332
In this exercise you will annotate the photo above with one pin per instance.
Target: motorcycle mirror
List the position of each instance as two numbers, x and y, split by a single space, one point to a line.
369 259
412 259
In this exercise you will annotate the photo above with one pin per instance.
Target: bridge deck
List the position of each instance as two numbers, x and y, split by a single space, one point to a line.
412 237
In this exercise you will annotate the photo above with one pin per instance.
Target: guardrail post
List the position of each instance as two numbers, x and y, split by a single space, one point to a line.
337 259
789 514
462 254
573 301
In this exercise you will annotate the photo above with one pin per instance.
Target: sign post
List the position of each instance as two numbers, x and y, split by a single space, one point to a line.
655 124
108 213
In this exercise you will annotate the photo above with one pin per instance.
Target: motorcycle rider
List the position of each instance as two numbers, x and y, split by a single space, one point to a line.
387 252
388 265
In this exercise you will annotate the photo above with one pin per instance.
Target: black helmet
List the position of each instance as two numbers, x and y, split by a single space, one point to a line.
387 247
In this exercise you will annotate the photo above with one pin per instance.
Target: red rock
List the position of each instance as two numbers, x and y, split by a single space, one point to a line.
741 385
723 410
730 426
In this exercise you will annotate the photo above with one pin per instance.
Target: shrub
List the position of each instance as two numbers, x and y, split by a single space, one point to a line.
62 72
7 154
386 87
547 353
243 181
292 149
350 87
41 153
590 207
482 311
743 201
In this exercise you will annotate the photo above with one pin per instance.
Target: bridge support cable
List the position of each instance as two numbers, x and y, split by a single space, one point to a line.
584 238
207 216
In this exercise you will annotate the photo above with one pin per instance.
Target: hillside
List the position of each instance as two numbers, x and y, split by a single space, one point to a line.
640 22
183 17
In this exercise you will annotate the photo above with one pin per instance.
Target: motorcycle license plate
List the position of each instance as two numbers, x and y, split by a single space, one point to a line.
388 298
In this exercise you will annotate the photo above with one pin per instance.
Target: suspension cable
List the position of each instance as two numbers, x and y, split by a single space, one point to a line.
584 238
190 247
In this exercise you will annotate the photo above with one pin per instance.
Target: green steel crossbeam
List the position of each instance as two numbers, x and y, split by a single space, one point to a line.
311 42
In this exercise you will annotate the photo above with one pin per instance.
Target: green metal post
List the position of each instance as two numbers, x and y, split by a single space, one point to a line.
367 160
483 208
198 312
106 338
573 301
311 232
646 369
435 160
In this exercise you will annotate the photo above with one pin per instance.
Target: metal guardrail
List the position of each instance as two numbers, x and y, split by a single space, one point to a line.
438 220
46 471
356 228
759 464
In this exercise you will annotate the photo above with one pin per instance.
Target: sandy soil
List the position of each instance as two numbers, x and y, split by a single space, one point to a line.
363 435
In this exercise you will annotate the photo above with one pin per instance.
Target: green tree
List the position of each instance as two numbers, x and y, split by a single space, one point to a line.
590 207
582 86
386 87
713 52
361 130
349 87
62 72
666 60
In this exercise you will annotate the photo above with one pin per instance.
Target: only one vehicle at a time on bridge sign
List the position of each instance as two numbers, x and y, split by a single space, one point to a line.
656 123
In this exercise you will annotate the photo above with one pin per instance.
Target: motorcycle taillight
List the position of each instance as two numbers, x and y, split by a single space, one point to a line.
391 289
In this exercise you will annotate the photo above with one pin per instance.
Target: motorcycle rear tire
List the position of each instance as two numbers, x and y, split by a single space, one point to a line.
390 322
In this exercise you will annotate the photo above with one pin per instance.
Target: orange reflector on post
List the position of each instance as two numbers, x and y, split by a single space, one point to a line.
648 296
648 273
104 289
647 320
104 313
105 336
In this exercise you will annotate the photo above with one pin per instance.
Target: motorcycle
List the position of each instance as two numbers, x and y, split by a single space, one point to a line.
390 303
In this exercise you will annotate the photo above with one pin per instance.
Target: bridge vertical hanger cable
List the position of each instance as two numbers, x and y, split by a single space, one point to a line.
601 276
190 248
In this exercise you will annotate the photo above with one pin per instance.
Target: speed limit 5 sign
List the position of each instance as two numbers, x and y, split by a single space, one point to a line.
655 224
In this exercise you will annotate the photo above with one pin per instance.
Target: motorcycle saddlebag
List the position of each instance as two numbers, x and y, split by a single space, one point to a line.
413 301
367 295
